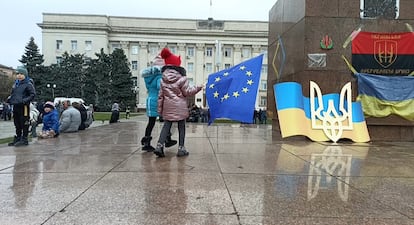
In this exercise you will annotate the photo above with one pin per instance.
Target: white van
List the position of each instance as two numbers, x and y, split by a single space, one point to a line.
61 99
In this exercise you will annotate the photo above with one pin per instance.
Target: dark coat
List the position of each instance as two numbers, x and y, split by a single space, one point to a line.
22 93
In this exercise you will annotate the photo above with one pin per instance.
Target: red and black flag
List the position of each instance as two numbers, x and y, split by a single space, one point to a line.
383 53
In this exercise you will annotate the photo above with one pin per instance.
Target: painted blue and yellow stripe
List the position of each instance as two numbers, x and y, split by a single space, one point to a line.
295 116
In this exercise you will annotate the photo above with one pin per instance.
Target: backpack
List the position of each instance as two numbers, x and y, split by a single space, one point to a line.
89 118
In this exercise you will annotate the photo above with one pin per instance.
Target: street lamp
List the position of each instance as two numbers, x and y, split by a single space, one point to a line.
53 86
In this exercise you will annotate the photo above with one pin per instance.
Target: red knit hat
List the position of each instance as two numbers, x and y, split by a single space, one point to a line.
170 58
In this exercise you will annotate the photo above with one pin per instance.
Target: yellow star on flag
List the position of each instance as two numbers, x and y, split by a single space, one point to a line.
216 94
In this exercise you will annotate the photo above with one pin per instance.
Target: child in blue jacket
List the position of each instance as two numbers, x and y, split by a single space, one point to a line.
50 121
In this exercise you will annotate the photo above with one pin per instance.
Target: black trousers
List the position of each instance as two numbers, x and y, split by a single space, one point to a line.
21 116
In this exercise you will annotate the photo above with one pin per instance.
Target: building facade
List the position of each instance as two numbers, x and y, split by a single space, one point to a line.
6 71
205 46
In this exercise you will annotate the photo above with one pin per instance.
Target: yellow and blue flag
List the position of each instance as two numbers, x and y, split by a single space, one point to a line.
231 93
294 114
384 95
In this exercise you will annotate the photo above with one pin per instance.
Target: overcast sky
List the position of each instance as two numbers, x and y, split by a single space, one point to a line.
19 18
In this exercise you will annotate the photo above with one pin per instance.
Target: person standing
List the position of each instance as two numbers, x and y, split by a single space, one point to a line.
127 112
115 112
23 92
172 100
152 76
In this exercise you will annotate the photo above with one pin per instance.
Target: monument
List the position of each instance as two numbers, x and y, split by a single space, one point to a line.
310 40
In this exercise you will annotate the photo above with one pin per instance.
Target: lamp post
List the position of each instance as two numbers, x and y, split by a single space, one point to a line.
53 86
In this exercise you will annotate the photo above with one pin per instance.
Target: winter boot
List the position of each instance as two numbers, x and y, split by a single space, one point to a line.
182 151
159 150
15 140
169 142
23 142
146 144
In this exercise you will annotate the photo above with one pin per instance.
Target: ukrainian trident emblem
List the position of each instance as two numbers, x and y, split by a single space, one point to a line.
385 52
333 116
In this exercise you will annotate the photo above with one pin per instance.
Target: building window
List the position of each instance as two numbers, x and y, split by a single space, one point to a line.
74 45
59 59
263 101
209 67
173 49
263 85
190 67
190 81
153 50
209 51
227 66
88 45
372 9
134 65
134 50
59 44
264 69
115 46
134 81
190 51
246 53
227 52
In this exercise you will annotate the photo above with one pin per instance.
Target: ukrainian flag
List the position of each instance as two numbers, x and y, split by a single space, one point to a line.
294 114
384 95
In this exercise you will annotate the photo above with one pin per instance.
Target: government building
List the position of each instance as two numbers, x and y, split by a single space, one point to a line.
205 46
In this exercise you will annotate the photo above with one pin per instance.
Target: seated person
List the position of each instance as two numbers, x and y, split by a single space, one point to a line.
83 113
50 121
70 119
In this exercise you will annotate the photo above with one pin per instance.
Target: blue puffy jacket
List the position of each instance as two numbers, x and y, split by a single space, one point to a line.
51 121
152 77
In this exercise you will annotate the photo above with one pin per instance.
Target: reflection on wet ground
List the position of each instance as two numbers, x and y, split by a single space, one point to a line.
235 174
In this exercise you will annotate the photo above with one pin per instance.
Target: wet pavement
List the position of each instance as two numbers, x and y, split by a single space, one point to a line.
235 174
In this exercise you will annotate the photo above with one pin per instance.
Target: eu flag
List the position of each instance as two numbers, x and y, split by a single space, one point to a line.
231 93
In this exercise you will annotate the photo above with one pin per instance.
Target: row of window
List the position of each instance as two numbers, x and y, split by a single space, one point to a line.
74 45
227 51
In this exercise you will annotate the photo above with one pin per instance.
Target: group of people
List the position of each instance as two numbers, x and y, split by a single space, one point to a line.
259 116
198 114
74 116
5 111
168 90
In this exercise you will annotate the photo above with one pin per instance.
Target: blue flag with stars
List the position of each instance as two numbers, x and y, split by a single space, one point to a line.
231 93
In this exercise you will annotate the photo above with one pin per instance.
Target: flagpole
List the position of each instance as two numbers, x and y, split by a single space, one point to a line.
218 55
211 9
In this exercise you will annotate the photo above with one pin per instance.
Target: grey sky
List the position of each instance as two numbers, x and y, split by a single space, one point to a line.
19 18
